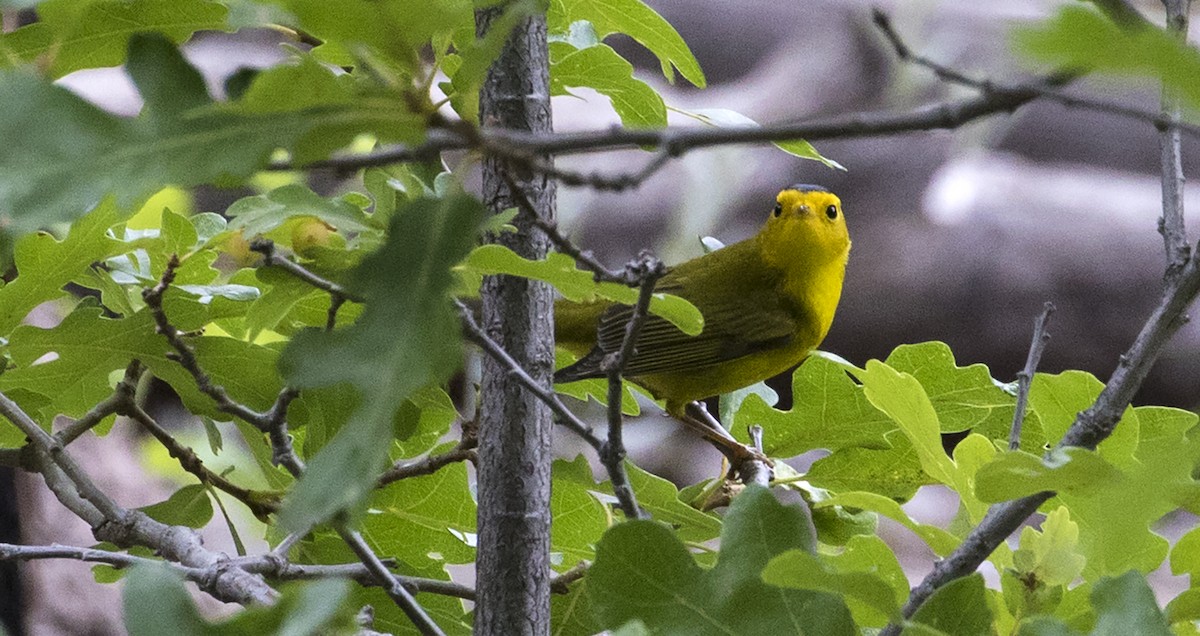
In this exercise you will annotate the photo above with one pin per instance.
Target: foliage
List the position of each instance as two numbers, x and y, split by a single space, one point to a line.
372 372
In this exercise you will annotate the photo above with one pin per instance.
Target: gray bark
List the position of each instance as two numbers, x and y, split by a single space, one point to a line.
513 561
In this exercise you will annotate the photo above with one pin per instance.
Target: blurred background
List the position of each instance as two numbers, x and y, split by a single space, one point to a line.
959 236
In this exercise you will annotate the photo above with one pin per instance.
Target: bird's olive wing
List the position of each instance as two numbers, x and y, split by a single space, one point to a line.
735 325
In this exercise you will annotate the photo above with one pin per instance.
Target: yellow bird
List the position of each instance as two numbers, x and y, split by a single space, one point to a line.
767 302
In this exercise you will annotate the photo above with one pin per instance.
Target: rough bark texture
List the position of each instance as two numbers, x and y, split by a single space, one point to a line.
514 434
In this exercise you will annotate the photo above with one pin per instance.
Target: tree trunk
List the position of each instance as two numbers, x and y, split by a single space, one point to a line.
513 562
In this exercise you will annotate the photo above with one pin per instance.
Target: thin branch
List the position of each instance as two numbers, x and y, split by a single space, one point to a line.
390 583
262 504
185 355
281 569
598 181
564 244
464 451
648 269
1171 224
564 415
110 522
13 552
1047 88
1092 426
561 584
273 422
266 247
1025 377
754 468
123 392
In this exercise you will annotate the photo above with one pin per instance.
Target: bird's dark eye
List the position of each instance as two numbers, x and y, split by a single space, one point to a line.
778 209
831 211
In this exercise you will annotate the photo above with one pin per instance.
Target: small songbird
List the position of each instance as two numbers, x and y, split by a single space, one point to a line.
767 302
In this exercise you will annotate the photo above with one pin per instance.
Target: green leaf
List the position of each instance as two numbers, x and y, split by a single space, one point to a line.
89 347
797 569
1045 626
1184 608
960 607
1051 554
903 399
601 68
1126 605
189 506
643 572
96 34
829 411
725 118
407 338
62 155
731 403
938 540
660 498
263 214
395 29
425 521
1079 37
1016 474
965 398
869 554
572 613
1185 556
156 603
578 285
1158 479
1057 399
638 21
44 265
577 517
894 472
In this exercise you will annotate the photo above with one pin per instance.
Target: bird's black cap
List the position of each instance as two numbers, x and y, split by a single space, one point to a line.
808 187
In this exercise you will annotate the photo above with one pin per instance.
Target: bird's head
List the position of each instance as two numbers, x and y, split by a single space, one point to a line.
807 225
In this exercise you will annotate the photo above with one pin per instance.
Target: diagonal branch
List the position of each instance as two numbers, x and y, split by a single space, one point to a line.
273 422
562 414
1092 426
122 394
261 504
110 522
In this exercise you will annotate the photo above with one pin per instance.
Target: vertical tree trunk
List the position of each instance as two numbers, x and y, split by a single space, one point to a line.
513 562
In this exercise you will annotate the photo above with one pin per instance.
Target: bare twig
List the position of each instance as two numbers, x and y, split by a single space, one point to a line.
561 584
1025 377
1092 426
648 269
123 392
1171 224
266 247
595 180
564 415
262 504
110 522
564 244
1048 88
273 422
464 451
390 583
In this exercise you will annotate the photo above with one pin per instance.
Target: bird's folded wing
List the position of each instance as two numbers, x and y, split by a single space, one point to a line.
735 326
